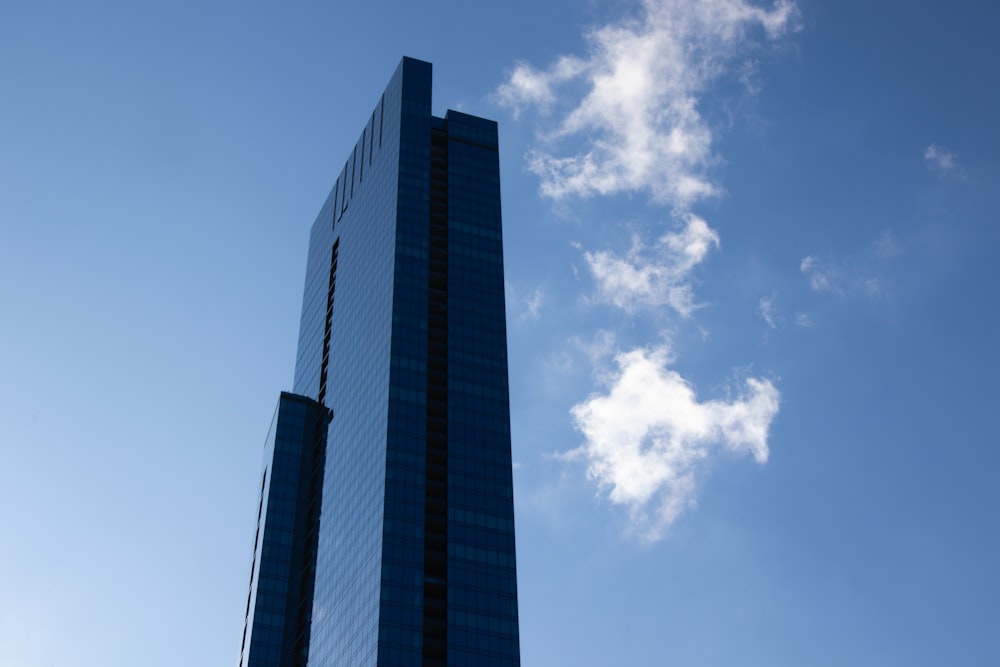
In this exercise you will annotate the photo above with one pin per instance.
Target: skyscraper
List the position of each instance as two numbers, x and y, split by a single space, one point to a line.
386 527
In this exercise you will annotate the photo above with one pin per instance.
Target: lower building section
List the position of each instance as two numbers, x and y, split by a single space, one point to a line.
279 603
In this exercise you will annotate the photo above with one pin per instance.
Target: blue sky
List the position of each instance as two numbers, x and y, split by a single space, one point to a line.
752 315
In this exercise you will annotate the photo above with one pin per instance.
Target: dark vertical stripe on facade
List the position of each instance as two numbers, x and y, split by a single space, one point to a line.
361 172
316 468
436 483
381 119
343 195
328 322
336 200
354 163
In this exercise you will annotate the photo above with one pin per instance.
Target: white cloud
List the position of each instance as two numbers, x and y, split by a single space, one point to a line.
642 83
804 321
648 437
772 315
533 304
648 277
523 308
626 118
821 278
767 310
529 87
887 247
939 158
598 350
872 287
861 273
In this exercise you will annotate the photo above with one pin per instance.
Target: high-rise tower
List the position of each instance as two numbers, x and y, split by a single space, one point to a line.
386 525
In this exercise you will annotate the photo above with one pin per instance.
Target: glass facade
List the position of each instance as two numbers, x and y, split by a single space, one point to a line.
403 340
276 630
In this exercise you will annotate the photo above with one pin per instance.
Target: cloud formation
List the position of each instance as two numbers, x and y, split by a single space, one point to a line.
939 158
774 317
648 277
625 119
534 304
859 273
642 81
768 311
523 308
821 278
646 438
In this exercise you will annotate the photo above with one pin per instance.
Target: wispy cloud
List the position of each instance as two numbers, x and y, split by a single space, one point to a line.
860 273
529 87
533 304
887 246
523 308
768 311
597 350
804 321
638 110
647 436
775 318
821 278
654 276
940 158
